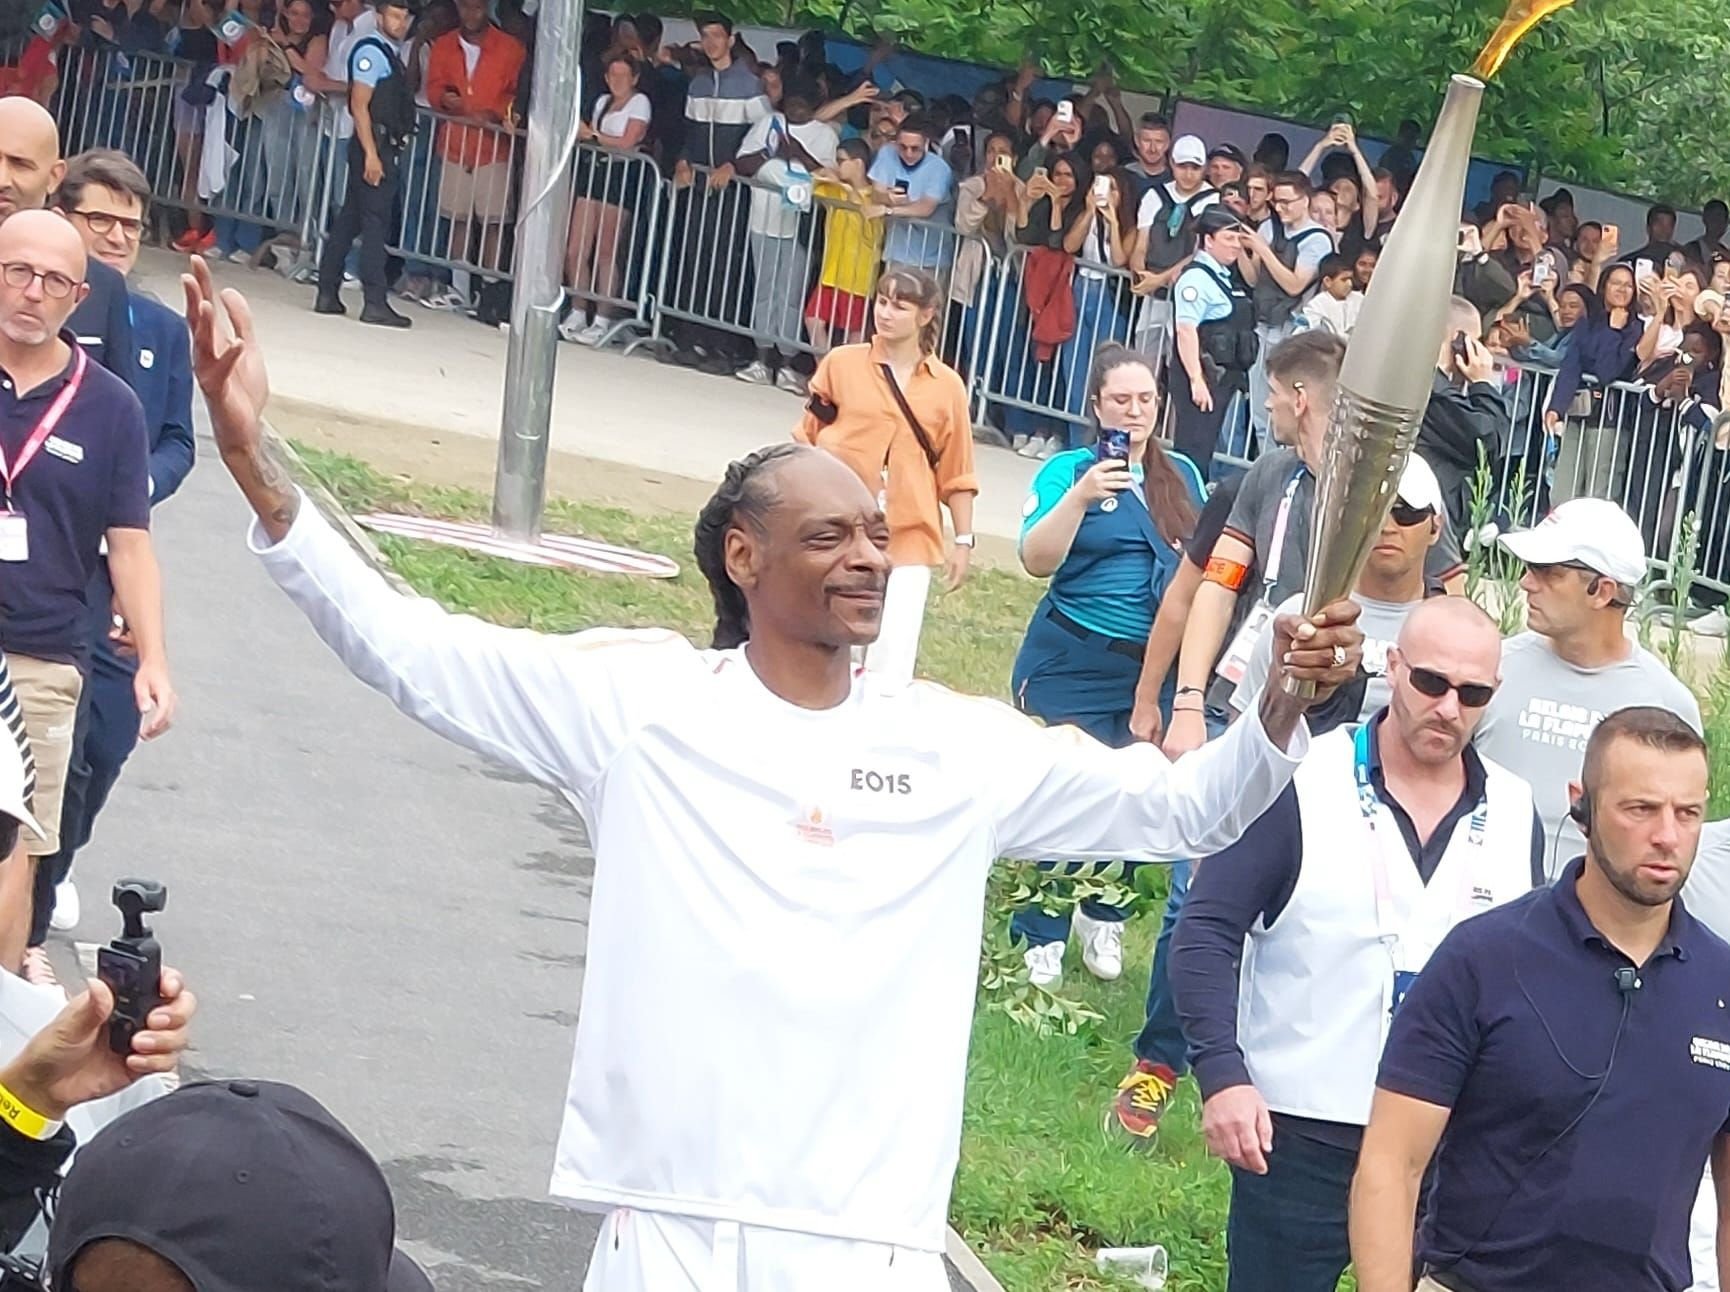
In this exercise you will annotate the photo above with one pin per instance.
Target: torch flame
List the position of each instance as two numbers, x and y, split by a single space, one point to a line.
1520 18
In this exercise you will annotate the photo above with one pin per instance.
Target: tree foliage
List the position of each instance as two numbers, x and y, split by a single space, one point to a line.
1625 94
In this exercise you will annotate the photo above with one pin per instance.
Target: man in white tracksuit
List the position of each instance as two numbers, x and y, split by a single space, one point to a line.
789 863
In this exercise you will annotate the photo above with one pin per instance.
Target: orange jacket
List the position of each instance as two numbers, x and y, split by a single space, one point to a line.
493 88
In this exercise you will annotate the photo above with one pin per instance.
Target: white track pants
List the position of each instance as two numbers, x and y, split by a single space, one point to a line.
646 1251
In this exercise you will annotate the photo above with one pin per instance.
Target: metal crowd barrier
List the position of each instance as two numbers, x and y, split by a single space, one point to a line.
1049 395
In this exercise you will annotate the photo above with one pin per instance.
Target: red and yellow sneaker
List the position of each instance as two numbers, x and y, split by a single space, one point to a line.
1142 1098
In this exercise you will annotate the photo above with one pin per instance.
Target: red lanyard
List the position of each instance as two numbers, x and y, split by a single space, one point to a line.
9 473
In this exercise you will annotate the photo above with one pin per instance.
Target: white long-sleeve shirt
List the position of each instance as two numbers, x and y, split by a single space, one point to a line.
785 922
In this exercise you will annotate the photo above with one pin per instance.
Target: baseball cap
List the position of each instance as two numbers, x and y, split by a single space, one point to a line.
1231 152
1188 151
16 787
1217 217
1419 486
240 1184
1593 532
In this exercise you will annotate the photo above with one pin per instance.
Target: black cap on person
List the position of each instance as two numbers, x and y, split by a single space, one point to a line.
228 1180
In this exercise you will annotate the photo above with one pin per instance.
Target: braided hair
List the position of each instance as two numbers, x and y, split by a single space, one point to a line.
744 496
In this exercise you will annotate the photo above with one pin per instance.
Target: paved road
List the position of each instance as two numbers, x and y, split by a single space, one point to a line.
365 910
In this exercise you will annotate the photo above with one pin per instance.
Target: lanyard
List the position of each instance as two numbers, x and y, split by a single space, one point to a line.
9 473
1371 807
1276 549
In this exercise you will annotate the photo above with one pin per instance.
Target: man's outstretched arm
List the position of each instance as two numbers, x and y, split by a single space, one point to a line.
1064 795
1398 1144
554 708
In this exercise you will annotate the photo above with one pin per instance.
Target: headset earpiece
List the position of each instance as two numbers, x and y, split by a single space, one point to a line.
1580 810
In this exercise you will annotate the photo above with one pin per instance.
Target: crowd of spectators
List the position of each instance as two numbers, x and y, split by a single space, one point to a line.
754 196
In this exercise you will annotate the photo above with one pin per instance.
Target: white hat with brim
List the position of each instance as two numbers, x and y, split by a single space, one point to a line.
1419 486
1189 151
1592 532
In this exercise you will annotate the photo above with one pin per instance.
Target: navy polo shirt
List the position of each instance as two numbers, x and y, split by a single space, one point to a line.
1512 1026
92 475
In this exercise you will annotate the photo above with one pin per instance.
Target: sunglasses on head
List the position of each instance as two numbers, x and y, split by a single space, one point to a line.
1473 695
1405 515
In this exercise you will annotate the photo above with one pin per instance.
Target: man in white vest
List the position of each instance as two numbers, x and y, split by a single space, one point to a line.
1298 942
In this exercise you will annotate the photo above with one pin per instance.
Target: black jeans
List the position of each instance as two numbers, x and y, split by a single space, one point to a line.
369 212
1287 1229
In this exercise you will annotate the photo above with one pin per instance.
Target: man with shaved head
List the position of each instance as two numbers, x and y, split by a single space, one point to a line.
73 474
30 172
1299 941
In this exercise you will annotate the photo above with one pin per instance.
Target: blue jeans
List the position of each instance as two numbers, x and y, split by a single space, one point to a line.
1287 1229
1161 1040
1061 678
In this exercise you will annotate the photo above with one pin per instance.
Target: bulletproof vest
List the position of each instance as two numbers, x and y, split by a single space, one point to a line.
392 107
1273 304
1172 235
1229 342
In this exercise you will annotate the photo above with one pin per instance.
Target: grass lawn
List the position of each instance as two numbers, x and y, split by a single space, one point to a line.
1040 1185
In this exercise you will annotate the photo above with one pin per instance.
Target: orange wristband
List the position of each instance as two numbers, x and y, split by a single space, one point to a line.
1228 574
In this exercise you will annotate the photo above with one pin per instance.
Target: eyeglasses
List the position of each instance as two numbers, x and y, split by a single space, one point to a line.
103 223
1294 200
1545 568
1405 515
18 275
1473 695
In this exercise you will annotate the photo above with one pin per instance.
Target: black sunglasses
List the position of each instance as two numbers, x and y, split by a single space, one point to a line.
1473 695
1405 515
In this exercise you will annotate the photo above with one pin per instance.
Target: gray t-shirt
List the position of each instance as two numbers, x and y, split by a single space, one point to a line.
1255 516
1707 892
1546 708
1380 623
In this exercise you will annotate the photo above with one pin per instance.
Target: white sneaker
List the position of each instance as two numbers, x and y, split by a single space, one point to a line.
1101 946
1050 449
1714 623
66 910
787 379
755 373
572 327
1045 964
1019 442
592 335
1030 445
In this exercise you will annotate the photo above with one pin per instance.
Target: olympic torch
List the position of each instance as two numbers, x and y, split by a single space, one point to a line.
1385 380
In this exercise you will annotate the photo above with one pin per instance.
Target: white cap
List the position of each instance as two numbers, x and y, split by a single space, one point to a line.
1592 532
1420 488
1188 151
12 797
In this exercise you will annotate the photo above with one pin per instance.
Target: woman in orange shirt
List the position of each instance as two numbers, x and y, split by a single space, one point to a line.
897 415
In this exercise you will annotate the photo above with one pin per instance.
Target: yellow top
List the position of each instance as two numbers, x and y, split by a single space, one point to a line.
852 245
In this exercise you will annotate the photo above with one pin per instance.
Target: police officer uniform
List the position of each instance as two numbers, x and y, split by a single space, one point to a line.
1081 657
371 211
1211 298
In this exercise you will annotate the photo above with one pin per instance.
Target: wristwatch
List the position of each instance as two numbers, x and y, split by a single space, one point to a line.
964 540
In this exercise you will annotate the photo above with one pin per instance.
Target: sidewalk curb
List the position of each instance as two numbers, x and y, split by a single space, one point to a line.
971 1269
333 511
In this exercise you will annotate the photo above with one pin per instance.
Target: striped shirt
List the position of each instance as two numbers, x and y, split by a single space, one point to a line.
720 108
12 714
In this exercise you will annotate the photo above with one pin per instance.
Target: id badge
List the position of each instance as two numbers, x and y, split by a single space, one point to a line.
1236 660
14 537
1403 982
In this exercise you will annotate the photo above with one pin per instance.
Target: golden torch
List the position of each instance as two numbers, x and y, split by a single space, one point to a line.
1385 381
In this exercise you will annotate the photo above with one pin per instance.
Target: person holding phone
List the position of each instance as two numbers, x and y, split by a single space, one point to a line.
1357 208
1106 525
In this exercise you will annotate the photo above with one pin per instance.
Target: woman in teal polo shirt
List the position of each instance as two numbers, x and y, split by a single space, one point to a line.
1108 532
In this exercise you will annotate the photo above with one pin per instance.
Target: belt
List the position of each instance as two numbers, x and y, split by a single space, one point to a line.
1117 645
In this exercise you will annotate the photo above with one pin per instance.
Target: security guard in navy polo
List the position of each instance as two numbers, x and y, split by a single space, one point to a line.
381 100
1214 316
